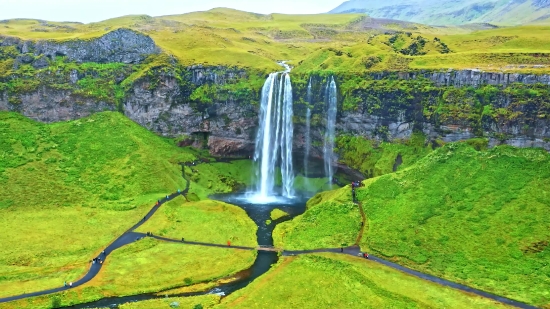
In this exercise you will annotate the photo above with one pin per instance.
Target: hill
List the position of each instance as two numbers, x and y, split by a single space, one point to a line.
449 12
474 217
76 186
324 42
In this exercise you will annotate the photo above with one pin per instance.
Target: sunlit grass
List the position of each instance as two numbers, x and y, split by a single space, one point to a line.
204 221
332 281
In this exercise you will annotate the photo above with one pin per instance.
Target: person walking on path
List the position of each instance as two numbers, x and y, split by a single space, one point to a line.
65 283
229 243
342 249
70 284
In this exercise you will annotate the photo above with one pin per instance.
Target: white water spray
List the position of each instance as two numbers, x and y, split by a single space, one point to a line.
328 148
275 137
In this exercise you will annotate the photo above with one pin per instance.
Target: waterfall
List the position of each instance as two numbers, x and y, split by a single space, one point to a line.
328 148
308 131
275 137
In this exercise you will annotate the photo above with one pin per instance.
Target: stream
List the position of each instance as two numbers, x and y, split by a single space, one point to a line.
260 214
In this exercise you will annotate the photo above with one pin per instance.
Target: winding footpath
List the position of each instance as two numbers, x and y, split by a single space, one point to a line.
131 236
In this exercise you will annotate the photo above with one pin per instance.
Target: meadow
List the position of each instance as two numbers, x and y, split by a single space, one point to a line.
149 266
329 280
204 221
68 189
476 217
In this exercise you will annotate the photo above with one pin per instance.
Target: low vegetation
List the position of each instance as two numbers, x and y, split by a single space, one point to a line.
205 302
149 266
470 216
203 221
76 186
329 280
327 225
277 214
338 42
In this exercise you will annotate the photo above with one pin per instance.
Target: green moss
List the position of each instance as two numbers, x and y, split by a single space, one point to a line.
277 214
379 158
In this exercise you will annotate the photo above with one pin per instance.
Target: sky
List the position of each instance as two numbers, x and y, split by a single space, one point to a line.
87 11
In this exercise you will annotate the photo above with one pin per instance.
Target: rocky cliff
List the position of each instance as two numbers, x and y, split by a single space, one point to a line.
216 107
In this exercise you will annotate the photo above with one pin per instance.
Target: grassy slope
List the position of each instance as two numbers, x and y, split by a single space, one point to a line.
328 280
328 225
204 221
473 217
340 42
75 186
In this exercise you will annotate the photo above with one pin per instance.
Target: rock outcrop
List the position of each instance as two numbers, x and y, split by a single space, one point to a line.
121 45
53 105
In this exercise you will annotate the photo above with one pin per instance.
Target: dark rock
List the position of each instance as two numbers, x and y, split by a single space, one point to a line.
40 63
121 45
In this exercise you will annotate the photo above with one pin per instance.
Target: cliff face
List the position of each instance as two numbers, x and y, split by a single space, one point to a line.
227 128
217 107
453 105
53 105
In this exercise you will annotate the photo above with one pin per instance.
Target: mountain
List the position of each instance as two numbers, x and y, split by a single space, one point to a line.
451 12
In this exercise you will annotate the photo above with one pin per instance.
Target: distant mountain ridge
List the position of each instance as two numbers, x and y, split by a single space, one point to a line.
452 12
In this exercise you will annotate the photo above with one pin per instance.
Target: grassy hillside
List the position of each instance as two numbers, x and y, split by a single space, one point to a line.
448 12
76 186
332 281
475 217
339 42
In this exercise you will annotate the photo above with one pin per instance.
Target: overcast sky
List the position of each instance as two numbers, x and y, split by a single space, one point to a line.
96 10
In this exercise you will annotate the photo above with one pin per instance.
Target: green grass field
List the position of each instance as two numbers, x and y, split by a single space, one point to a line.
333 281
474 217
206 301
149 266
335 42
204 221
68 189
329 225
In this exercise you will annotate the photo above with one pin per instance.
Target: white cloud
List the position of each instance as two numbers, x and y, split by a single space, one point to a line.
97 10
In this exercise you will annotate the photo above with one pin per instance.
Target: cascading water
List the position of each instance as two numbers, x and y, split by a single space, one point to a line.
328 148
308 131
275 136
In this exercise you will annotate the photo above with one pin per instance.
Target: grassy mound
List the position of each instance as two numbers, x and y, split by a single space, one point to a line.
277 214
76 186
204 221
327 225
328 280
474 217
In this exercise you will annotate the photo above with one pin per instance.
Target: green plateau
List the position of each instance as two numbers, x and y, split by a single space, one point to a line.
336 42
